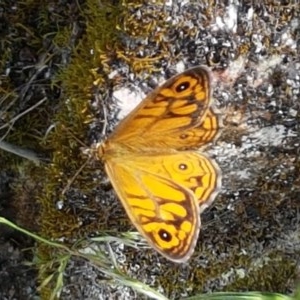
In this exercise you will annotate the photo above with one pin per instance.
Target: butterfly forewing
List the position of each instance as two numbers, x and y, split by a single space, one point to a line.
170 111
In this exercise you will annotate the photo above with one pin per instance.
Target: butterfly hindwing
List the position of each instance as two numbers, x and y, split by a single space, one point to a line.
160 194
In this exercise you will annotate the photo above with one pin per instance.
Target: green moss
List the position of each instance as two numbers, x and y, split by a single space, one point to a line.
272 276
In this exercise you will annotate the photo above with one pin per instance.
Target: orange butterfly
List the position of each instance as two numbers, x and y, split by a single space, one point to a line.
150 158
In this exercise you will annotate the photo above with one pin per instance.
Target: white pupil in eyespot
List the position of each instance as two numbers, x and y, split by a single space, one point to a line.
182 166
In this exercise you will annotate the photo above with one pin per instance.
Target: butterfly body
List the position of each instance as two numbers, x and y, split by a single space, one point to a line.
159 177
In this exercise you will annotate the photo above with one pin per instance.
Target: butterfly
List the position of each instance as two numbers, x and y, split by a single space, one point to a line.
155 169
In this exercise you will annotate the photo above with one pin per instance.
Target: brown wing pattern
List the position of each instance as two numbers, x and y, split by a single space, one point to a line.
175 107
193 137
161 194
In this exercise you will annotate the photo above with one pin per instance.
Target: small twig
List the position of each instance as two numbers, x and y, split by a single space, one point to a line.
13 120
70 182
20 151
74 136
